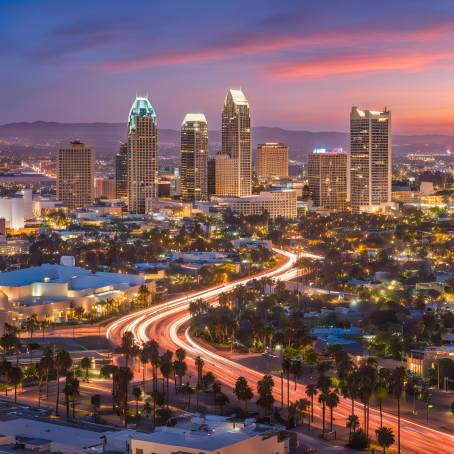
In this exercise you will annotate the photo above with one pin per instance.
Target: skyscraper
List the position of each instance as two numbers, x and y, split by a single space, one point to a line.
142 154
121 171
328 175
272 161
236 140
370 142
194 151
75 175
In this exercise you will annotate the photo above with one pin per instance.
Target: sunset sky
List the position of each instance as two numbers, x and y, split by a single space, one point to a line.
302 64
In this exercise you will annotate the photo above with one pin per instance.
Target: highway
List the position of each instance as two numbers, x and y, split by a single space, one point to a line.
166 324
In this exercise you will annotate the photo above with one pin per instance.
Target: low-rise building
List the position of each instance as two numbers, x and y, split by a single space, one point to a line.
420 361
212 435
53 291
275 203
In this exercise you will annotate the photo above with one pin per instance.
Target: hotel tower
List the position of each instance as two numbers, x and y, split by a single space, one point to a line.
370 171
142 154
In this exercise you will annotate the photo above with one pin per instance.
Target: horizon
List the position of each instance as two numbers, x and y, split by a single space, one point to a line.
307 65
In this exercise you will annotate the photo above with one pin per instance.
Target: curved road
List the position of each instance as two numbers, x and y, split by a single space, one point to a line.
165 323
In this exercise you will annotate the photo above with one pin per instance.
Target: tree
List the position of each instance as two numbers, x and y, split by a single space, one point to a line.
31 324
63 363
71 391
381 389
180 369
166 368
95 401
40 371
332 401
300 409
109 371
296 368
397 383
152 351
199 363
243 391
385 437
121 378
265 392
128 346
137 393
221 400
352 424
15 376
47 362
311 392
147 408
85 364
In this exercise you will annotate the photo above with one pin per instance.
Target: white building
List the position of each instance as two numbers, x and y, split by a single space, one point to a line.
212 435
275 203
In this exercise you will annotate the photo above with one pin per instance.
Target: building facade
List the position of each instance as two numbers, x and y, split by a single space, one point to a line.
105 188
75 175
142 154
225 173
194 156
370 145
275 203
272 161
328 175
121 172
236 141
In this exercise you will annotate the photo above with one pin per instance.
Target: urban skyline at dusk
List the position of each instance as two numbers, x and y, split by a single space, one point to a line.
305 63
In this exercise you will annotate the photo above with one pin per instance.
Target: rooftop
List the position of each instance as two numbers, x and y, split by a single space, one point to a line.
238 97
194 117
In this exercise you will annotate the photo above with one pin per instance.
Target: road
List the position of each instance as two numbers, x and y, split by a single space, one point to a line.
166 324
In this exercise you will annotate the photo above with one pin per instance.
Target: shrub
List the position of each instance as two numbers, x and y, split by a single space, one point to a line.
359 440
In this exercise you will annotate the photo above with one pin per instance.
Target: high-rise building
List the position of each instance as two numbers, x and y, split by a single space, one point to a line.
75 175
142 154
272 161
370 142
211 176
328 175
225 174
105 188
194 151
236 140
121 171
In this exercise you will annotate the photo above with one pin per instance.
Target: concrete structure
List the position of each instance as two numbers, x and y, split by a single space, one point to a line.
194 153
212 435
75 175
275 203
420 361
105 188
236 141
121 172
53 291
272 161
142 154
211 176
371 156
328 175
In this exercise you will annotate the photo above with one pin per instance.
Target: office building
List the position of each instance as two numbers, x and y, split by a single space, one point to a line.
275 203
328 175
236 141
142 154
272 161
121 172
370 142
75 175
211 176
225 175
194 151
105 188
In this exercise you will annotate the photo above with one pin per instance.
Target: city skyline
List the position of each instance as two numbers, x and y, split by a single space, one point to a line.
307 65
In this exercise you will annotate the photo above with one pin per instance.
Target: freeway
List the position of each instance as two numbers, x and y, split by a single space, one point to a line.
168 321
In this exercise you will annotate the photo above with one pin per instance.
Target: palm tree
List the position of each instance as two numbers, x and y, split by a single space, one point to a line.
222 400
199 363
332 401
85 364
367 373
71 391
152 349
15 376
296 368
180 369
322 400
301 408
108 371
95 401
381 389
137 393
265 392
128 346
31 324
40 371
166 368
143 356
147 408
121 378
63 363
243 391
5 367
47 362
311 392
397 383
385 437
352 424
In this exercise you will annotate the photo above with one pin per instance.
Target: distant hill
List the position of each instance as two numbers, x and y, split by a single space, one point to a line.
106 137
